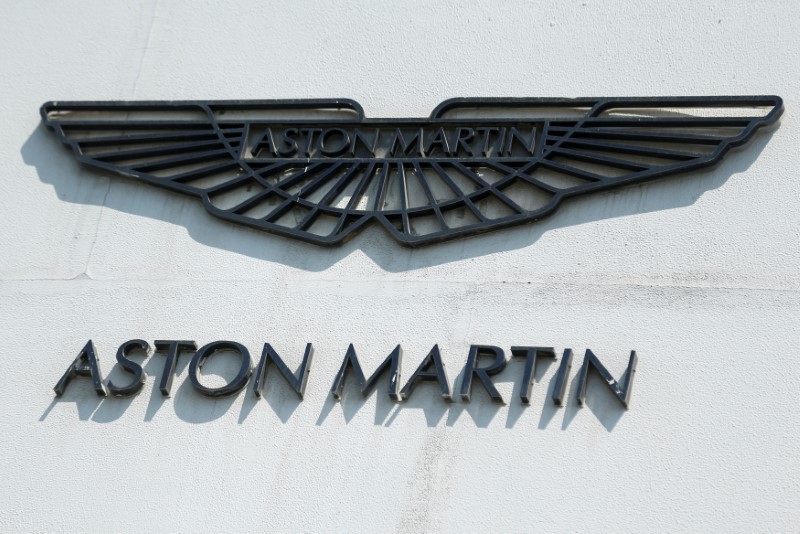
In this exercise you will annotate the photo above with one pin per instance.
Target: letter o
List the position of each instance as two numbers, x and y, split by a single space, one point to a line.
337 151
235 385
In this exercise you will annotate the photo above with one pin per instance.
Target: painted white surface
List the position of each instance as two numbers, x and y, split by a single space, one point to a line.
700 274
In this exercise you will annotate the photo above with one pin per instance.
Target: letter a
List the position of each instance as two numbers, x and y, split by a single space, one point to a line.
84 365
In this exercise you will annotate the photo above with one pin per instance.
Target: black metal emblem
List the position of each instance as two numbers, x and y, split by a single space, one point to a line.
319 171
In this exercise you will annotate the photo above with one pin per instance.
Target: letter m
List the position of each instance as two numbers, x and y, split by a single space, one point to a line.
392 363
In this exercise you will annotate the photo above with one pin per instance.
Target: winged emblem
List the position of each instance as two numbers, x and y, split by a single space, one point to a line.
319 171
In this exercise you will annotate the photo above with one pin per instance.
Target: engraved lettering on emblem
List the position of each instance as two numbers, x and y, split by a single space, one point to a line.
399 142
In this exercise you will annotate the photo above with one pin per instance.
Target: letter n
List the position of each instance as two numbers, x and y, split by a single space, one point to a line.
297 382
622 393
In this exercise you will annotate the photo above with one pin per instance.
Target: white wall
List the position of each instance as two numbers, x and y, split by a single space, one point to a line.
700 274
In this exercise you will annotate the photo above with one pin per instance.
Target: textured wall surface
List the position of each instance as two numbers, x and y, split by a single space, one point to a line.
700 274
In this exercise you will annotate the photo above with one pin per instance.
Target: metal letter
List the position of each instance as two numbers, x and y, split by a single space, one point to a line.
358 136
266 142
560 387
464 137
309 133
84 365
173 348
405 148
335 151
471 368
298 382
622 393
392 363
290 148
531 355
423 372
485 132
235 385
130 366
498 147
439 140
529 146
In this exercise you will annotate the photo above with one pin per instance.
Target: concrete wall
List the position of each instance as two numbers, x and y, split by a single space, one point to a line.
700 274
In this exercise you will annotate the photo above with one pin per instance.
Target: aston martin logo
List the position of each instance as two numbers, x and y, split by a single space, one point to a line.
319 171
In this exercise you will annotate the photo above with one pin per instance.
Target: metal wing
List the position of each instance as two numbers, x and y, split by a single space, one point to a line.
195 148
583 146
612 142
